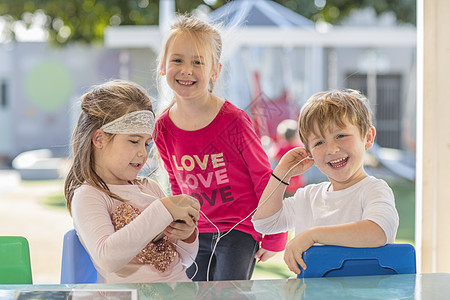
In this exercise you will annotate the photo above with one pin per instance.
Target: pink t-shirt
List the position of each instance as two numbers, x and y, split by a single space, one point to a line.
223 165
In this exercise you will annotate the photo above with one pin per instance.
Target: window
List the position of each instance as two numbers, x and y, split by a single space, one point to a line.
388 105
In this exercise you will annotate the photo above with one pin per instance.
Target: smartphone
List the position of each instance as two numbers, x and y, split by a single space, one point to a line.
158 237
161 235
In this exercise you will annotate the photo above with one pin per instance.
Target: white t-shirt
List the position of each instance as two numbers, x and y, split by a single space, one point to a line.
114 252
370 199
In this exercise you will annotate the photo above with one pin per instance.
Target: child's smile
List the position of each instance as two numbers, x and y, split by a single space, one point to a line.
338 163
187 69
185 83
136 166
339 154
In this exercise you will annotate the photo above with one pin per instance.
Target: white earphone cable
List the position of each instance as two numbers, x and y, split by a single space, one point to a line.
219 236
251 213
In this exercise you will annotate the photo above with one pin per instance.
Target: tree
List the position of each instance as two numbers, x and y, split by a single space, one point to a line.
81 20
85 20
334 11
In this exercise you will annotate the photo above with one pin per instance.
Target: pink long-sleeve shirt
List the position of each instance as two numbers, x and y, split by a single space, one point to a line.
223 165
114 252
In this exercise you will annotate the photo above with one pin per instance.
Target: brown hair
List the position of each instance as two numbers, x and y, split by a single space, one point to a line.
101 105
334 107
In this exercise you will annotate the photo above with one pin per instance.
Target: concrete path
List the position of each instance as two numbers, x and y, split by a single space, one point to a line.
21 213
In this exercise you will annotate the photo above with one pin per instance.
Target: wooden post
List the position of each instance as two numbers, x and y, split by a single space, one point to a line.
433 168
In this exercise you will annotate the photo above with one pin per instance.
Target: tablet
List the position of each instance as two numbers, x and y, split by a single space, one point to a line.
82 294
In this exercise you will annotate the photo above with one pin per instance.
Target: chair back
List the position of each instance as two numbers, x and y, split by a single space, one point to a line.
76 265
15 263
336 261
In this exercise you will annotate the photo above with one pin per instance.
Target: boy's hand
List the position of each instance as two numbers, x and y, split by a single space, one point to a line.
294 251
291 158
183 208
263 254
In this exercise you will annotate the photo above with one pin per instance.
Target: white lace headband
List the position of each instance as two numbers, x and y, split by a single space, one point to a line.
137 122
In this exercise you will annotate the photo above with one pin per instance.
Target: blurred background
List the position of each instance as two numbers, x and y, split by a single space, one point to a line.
276 55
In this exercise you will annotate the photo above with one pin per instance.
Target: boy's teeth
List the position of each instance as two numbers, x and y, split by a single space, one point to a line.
186 82
337 160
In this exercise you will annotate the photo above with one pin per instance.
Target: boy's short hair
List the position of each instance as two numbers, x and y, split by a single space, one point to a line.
334 107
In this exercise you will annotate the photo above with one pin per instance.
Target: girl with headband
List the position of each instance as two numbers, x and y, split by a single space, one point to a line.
117 215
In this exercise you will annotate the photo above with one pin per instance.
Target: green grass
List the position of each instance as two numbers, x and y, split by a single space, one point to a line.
40 182
272 270
56 201
405 202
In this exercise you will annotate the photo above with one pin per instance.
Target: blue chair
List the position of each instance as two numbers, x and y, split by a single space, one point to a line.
15 263
336 261
76 265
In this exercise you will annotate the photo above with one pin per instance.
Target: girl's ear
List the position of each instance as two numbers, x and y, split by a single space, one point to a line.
216 74
370 137
99 138
162 70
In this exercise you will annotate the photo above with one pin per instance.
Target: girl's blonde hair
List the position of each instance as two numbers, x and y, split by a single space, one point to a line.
101 105
206 38
329 108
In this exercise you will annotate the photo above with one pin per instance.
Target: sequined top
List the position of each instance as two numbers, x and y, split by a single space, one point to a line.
158 254
115 253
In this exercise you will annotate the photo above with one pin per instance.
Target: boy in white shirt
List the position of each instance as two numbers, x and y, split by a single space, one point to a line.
352 209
